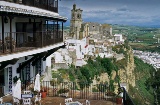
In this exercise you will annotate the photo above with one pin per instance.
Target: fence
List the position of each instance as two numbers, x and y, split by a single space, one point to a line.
126 98
75 90
79 90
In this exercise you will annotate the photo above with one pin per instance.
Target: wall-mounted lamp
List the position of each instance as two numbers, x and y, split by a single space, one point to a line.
30 20
5 19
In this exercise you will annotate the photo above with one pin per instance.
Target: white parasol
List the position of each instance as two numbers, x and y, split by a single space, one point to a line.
17 90
37 83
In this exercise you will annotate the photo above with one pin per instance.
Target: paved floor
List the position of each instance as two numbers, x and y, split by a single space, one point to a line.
60 101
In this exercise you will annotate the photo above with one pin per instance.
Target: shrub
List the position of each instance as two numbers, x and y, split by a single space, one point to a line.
64 90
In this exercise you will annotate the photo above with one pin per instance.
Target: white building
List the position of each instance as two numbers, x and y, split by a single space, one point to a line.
26 41
118 38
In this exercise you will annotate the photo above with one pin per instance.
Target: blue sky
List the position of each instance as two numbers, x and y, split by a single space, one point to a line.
126 12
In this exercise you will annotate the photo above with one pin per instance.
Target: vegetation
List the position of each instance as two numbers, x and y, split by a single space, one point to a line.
154 82
140 38
141 93
88 72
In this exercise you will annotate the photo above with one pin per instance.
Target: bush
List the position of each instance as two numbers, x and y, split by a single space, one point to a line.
63 91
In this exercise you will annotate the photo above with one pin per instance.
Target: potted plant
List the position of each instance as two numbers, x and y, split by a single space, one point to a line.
15 79
43 92
63 92
118 99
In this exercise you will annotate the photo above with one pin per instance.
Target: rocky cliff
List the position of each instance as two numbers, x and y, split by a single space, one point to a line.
125 73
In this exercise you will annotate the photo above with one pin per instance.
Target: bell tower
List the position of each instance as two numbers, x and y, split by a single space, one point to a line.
75 22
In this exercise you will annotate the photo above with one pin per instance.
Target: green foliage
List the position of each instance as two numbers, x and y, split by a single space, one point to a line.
15 79
102 87
64 90
154 82
142 73
111 86
57 75
94 89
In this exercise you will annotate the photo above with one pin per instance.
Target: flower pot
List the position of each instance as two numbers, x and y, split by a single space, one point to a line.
119 100
44 94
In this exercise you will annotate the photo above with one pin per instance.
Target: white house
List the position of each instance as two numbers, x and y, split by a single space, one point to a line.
26 41
118 38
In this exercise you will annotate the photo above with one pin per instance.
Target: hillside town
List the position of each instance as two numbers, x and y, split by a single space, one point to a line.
84 40
149 57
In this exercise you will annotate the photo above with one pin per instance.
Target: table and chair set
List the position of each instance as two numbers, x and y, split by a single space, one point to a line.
27 98
69 101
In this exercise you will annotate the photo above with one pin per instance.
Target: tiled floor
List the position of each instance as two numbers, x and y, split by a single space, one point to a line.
60 101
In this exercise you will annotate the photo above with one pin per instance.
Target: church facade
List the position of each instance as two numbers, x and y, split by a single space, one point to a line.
80 29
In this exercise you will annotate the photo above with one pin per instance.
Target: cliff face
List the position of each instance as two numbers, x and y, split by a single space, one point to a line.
127 73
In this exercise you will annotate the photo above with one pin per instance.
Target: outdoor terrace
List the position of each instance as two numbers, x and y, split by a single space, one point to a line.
22 41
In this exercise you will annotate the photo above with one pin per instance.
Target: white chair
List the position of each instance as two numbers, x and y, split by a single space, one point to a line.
27 92
37 98
87 102
16 100
27 101
1 100
68 100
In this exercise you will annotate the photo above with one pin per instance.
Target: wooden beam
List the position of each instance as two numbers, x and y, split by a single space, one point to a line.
52 51
5 63
26 63
39 58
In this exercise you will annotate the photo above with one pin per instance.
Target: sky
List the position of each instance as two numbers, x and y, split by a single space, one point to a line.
123 12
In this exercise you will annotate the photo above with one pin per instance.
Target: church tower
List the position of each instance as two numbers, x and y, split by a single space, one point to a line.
75 22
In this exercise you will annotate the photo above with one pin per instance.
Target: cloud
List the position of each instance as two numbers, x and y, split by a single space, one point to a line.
114 12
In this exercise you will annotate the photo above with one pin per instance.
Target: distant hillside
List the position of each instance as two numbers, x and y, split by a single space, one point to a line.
140 38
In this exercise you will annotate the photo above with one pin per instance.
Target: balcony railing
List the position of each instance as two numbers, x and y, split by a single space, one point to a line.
51 5
22 41
127 100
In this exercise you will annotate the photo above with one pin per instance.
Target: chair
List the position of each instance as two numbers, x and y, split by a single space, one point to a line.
68 100
27 92
27 101
16 100
87 102
37 98
1 100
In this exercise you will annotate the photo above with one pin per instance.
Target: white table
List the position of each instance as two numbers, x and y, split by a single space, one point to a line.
73 103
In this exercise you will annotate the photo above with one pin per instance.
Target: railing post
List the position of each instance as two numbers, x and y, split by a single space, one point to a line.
57 31
11 34
2 33
62 32
124 96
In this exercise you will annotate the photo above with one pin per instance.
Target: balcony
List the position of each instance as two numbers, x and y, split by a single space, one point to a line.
51 5
22 41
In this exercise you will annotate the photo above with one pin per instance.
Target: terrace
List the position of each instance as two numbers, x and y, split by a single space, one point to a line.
23 41
51 5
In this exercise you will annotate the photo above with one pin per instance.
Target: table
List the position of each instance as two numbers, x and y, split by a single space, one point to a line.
73 103
26 95
6 103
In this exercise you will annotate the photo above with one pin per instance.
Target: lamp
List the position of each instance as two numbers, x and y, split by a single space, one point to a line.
5 19
30 20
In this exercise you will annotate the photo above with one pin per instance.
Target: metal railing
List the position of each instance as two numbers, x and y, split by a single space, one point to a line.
75 90
127 100
51 5
22 41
